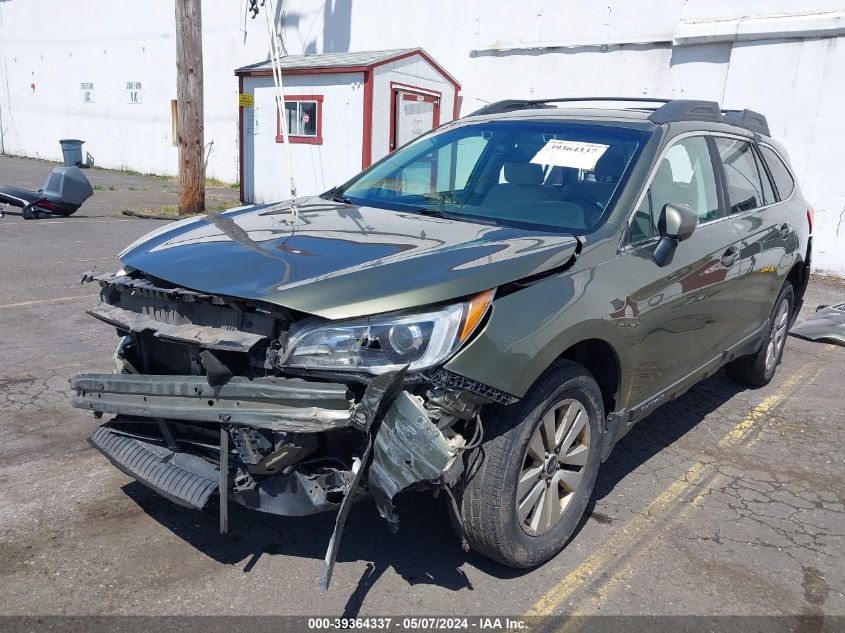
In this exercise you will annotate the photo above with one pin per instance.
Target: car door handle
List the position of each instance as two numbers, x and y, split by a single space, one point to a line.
783 230
729 257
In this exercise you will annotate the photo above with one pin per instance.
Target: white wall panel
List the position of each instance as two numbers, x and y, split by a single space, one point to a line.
496 48
800 86
414 71
316 168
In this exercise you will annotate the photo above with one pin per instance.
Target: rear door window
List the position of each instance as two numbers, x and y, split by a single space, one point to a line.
780 172
742 175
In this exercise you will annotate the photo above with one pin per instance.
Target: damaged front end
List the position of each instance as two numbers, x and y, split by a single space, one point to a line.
220 400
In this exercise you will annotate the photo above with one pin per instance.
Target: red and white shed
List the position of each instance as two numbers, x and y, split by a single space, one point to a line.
344 111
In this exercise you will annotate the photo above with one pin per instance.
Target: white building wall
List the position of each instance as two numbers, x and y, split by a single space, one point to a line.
543 48
714 49
40 79
109 44
316 168
800 85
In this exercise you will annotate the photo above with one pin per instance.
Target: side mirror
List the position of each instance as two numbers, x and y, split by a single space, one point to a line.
675 224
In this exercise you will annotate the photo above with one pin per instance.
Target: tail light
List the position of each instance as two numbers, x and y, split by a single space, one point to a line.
811 214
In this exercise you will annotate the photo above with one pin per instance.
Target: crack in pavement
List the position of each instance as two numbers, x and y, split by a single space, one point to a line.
604 570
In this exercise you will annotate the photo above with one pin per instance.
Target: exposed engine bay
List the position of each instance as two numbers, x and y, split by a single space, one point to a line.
206 411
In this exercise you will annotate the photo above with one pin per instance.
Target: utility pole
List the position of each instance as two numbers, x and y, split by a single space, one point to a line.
189 106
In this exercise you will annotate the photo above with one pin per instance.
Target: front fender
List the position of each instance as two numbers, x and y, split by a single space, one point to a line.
529 329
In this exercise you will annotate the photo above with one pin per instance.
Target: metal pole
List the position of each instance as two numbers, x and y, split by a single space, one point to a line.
189 100
224 480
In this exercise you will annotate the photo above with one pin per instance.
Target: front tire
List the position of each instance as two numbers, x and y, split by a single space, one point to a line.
529 482
759 368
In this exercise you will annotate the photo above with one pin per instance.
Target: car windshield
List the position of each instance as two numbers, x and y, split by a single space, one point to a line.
543 174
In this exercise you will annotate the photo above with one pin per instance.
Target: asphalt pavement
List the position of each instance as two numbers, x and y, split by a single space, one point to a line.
728 501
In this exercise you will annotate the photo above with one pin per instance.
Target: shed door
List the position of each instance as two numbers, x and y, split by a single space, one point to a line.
413 113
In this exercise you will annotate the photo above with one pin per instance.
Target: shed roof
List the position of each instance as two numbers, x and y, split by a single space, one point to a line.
341 62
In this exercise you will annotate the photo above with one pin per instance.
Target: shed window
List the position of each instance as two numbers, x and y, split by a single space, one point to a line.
305 119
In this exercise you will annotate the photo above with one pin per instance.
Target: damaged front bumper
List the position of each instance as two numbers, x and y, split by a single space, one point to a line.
278 404
409 447
202 412
400 446
193 482
186 470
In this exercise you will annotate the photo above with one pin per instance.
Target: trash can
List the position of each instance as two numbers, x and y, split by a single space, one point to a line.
72 151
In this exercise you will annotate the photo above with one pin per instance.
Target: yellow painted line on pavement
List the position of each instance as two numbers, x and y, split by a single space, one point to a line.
644 522
611 548
821 364
35 302
76 221
644 548
70 261
742 430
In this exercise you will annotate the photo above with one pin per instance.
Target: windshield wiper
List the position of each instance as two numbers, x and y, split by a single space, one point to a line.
339 197
458 217
434 213
334 194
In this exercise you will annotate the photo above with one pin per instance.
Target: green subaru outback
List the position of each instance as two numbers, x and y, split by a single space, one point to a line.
483 313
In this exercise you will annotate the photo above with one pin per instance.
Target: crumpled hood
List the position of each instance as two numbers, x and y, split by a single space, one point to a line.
339 260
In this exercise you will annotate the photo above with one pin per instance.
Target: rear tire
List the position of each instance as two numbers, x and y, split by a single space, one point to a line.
759 368
529 482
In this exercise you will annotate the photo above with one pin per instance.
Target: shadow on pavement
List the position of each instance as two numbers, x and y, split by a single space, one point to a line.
426 550
663 428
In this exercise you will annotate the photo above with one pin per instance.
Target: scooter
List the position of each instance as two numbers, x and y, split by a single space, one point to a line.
64 191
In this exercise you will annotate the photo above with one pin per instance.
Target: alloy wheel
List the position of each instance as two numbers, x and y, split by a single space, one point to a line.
778 338
553 466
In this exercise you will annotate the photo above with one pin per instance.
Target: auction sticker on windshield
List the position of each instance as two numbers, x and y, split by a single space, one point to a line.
575 154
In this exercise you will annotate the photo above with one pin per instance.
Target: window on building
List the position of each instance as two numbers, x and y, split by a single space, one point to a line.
304 115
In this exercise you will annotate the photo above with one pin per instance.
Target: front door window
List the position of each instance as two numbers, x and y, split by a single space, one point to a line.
685 176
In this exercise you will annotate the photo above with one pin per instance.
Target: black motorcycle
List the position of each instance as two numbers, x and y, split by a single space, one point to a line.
64 191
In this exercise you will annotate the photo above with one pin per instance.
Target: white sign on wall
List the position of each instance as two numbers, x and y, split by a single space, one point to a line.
87 91
134 92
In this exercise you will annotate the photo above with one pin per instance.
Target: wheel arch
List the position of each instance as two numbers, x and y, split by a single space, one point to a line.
600 359
799 276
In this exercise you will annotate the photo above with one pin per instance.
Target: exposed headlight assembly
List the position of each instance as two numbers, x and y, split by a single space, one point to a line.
386 342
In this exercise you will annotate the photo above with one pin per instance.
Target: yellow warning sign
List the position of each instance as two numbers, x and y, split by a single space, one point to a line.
245 101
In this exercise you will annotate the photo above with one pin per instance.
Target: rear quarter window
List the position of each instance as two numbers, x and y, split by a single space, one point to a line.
780 173
742 175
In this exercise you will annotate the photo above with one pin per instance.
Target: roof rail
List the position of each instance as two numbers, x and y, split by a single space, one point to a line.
669 110
509 105
749 119
687 110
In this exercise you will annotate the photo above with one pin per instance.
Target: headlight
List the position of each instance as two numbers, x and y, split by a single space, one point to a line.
385 342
